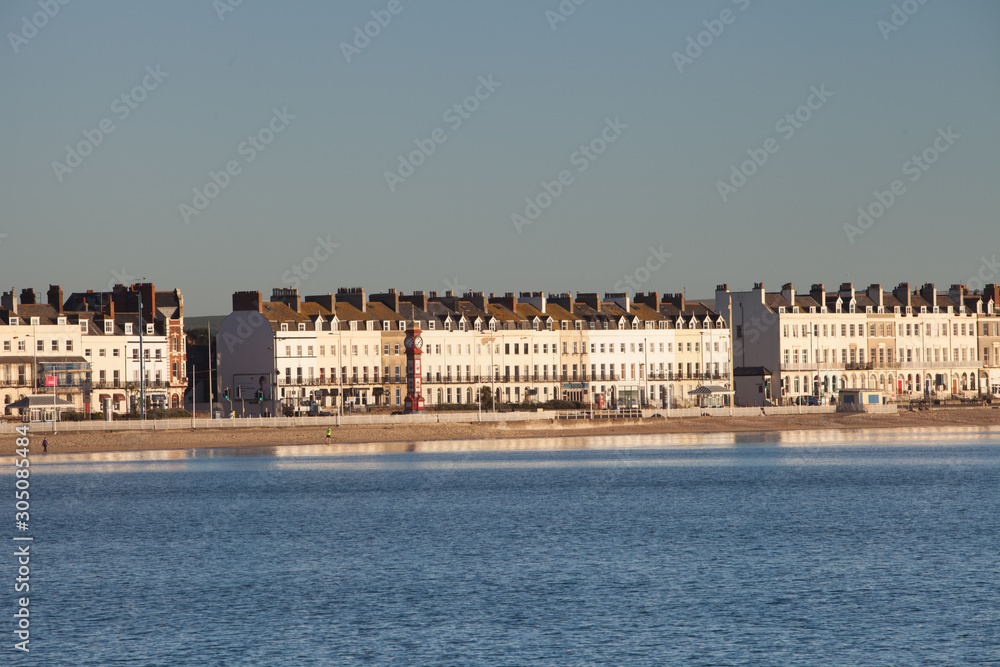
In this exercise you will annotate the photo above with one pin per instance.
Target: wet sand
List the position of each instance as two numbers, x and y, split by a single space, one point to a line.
305 435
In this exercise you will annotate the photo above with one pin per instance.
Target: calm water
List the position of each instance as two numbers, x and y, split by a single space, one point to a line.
812 549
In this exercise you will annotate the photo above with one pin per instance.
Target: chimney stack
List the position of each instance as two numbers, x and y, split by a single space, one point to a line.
675 300
10 301
651 300
248 301
389 299
55 298
418 299
27 297
875 294
989 292
788 293
902 293
929 293
326 301
536 299
476 299
508 300
288 296
564 301
590 299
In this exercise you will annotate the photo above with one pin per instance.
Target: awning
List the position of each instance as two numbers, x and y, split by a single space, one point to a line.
708 389
39 401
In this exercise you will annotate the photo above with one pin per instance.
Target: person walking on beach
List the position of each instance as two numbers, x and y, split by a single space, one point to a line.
45 445
328 433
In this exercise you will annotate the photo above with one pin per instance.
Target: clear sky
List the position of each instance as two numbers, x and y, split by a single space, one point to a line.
676 118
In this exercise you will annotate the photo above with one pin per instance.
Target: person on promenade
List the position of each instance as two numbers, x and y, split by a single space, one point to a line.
45 445
328 433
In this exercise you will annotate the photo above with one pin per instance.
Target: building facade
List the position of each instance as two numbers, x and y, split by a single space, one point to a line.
909 344
344 350
91 344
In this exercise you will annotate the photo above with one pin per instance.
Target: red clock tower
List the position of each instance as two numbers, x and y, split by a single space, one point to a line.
414 344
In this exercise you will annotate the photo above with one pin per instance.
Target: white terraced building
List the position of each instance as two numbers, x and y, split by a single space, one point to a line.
907 344
338 351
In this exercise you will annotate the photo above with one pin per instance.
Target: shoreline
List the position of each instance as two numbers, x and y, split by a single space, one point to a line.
86 442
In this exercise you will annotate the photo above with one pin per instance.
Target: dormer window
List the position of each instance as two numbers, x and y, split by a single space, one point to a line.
851 307
937 309
402 325
795 309
284 326
781 309
895 309
635 325
909 310
109 326
493 325
812 310
868 309
536 325
447 325
881 310
548 325
35 321
579 325
923 310
61 321
128 328
83 326
353 325
149 329
301 326
479 325
564 325
824 309
12 321
430 325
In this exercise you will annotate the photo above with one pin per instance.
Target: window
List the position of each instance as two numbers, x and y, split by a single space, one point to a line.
6 346
395 348
40 345
302 326
55 346
284 326
83 326
109 326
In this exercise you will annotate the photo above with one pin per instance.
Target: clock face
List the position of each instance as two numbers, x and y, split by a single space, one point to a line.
408 342
418 342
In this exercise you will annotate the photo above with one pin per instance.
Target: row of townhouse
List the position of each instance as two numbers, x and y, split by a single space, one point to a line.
94 345
343 349
794 347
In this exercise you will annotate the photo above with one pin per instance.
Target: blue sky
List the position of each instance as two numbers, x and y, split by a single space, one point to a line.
889 95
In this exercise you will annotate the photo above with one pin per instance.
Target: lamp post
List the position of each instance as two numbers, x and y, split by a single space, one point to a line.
142 366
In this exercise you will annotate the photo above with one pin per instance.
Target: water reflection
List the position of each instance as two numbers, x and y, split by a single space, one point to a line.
797 448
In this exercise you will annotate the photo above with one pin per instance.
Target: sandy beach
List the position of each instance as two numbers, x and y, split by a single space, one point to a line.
193 439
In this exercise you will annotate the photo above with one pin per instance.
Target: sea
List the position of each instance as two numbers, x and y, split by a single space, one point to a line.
799 548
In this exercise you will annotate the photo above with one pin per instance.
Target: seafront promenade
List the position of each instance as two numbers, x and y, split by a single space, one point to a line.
428 418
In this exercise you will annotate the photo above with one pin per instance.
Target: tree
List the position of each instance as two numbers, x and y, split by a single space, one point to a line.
486 398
